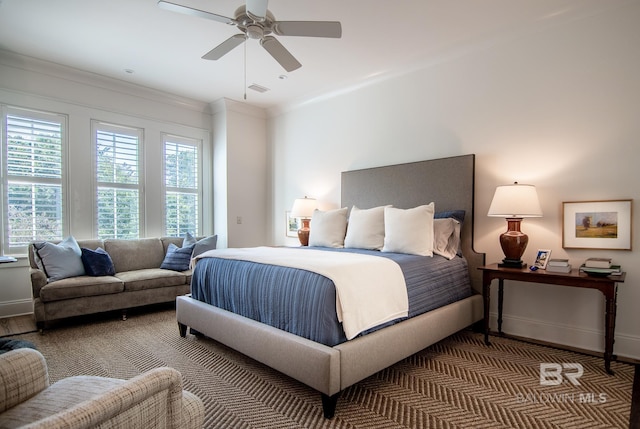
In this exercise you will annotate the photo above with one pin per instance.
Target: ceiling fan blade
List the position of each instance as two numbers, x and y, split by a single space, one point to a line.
224 47
331 29
257 9
195 12
280 53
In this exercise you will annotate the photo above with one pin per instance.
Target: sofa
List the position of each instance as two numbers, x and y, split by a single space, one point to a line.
119 274
153 399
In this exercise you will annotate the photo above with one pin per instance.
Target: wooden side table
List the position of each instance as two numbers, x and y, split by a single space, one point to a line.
606 285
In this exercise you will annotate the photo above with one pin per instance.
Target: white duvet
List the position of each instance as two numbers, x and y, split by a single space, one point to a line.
370 290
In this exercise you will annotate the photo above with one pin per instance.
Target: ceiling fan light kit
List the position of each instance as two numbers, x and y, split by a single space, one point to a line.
257 22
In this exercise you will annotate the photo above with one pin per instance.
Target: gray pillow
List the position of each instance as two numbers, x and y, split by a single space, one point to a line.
202 245
62 260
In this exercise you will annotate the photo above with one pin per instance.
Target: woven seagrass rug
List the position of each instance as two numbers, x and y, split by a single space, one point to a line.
456 383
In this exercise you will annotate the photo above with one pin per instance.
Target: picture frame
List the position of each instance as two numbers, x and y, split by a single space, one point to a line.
602 225
292 225
542 257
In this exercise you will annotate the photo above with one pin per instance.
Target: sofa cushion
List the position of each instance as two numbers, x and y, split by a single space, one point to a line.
166 241
81 286
152 278
129 255
91 243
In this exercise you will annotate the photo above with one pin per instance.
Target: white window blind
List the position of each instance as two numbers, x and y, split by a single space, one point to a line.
32 177
118 181
182 185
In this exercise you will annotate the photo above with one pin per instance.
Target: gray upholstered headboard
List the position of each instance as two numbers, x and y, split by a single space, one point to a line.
448 182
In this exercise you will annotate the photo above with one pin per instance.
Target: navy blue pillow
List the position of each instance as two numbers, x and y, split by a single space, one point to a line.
177 258
455 214
97 262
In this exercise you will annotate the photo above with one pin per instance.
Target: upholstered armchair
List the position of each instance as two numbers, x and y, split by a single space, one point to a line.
154 399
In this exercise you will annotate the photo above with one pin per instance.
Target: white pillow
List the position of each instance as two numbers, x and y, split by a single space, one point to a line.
328 228
409 231
365 229
61 260
446 237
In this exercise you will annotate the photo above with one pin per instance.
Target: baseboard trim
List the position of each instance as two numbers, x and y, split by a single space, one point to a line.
584 340
16 308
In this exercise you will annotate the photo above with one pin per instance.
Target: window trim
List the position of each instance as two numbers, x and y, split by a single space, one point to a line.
198 143
98 125
63 120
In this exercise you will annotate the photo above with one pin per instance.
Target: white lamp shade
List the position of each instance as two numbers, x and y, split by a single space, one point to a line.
303 207
515 201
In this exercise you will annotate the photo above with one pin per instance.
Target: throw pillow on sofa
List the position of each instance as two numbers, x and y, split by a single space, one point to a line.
97 262
61 260
177 258
202 245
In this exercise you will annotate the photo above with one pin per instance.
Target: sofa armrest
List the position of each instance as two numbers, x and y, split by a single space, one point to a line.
38 280
152 399
23 374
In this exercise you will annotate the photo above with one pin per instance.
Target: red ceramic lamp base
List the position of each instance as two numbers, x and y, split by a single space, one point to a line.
513 243
303 233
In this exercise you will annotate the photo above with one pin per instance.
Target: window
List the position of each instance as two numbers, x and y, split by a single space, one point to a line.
118 174
32 182
182 185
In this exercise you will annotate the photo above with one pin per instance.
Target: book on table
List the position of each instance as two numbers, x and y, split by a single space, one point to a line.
558 263
597 263
559 268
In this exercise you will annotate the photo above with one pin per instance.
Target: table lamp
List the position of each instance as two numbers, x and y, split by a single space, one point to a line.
303 209
514 202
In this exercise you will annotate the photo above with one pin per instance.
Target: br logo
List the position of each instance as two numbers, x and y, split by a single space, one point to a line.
552 374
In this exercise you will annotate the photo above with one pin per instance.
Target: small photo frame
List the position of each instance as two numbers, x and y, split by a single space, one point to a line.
596 225
293 225
542 257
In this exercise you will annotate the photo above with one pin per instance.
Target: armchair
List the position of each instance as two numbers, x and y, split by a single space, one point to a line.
154 399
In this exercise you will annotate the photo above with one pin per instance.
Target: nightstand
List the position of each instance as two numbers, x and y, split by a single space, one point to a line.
607 285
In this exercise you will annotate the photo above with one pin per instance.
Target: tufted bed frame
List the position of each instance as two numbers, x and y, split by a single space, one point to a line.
449 182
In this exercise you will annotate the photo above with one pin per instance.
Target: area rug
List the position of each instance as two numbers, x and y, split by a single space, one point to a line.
456 383
17 325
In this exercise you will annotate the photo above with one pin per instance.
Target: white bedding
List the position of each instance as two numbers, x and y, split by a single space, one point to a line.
370 290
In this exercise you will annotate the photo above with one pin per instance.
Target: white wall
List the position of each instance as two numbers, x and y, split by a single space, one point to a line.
240 174
559 109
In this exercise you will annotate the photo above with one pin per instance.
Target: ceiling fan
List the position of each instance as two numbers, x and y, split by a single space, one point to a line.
257 22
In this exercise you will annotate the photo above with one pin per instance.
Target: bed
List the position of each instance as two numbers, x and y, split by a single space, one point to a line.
330 368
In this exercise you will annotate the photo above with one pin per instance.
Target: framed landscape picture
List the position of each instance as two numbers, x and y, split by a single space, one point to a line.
596 224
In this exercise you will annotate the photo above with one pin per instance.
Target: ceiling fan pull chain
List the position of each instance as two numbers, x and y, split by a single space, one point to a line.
245 71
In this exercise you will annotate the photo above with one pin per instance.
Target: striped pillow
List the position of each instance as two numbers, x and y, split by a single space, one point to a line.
177 258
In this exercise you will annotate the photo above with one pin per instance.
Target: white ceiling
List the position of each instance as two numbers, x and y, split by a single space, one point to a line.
380 38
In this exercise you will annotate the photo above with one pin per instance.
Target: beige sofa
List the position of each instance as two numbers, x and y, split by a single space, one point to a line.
154 399
138 281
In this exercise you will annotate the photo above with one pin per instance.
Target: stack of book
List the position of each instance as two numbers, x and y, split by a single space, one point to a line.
559 266
600 267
